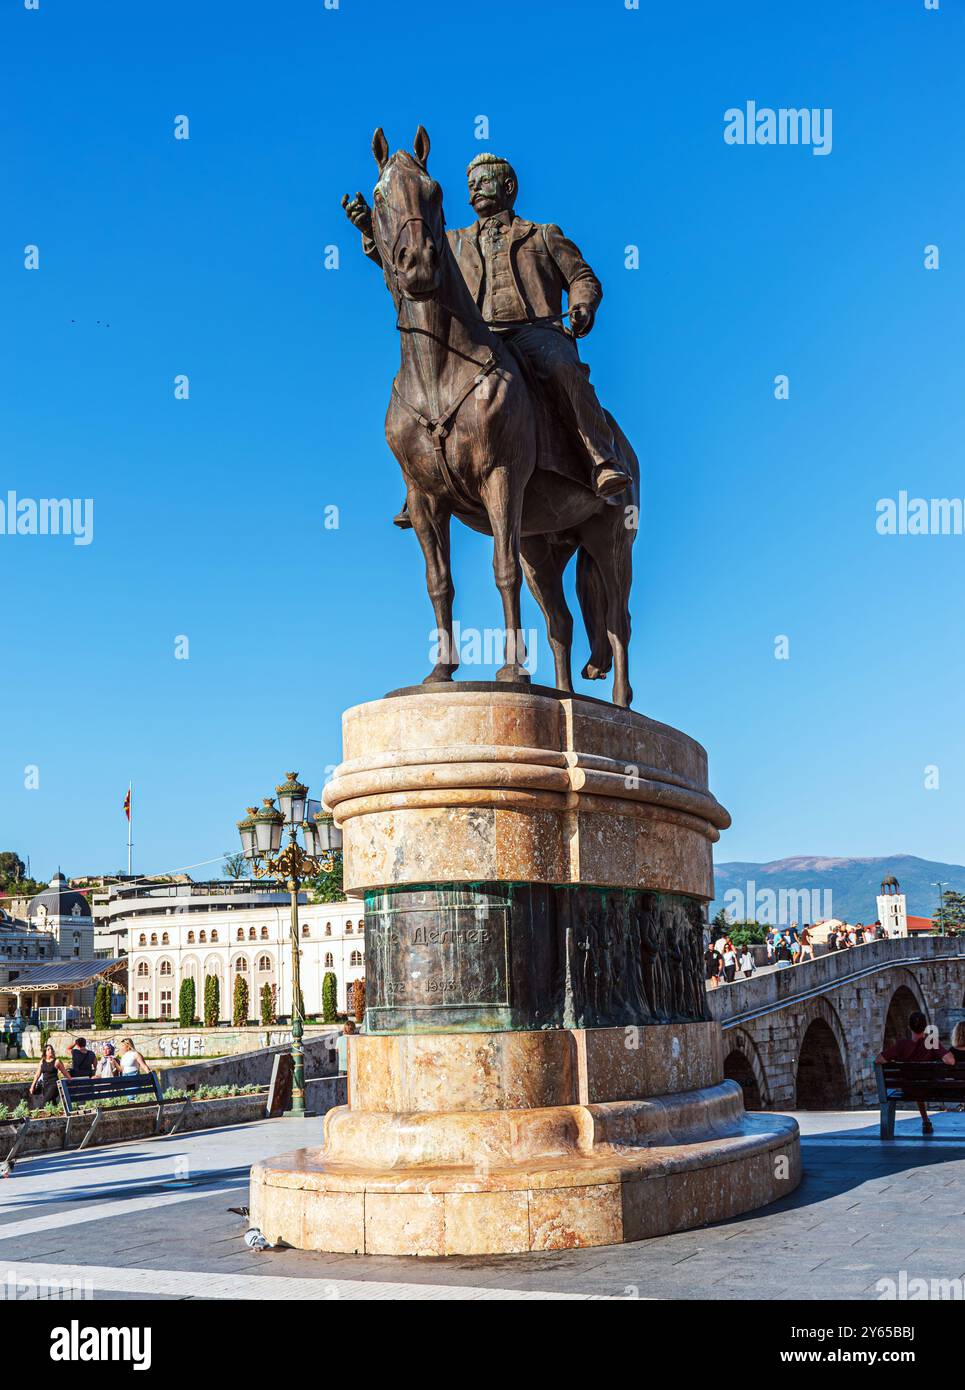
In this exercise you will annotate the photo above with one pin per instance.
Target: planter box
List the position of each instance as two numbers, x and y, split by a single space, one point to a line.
130 1122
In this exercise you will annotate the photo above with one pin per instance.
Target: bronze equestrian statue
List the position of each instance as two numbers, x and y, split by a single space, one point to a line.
495 421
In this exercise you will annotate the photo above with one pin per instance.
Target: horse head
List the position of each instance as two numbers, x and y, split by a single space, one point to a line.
407 218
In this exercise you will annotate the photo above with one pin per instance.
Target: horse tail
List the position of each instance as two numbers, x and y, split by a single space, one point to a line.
591 593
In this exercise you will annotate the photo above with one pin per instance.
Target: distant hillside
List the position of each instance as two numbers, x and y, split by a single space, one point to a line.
853 883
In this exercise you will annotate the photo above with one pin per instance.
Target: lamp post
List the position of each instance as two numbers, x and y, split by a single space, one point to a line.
941 886
261 844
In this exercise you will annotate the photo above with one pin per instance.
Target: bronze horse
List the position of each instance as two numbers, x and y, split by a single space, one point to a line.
467 431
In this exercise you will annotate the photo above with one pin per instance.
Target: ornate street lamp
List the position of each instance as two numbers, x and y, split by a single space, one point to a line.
261 836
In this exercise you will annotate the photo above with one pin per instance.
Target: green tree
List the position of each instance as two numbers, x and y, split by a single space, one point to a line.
327 888
212 1001
12 866
949 916
239 1013
268 1016
235 865
102 1007
329 997
186 1003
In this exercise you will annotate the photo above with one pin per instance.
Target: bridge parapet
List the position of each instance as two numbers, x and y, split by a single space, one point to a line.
808 1035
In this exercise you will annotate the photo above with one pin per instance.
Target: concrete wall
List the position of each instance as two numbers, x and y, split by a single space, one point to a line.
167 1040
253 1068
767 1019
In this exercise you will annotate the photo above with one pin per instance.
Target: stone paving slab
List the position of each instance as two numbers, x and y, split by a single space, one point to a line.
865 1210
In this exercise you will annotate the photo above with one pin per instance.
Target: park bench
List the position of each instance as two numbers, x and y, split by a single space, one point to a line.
914 1081
76 1090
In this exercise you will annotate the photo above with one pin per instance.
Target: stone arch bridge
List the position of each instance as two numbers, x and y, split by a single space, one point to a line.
806 1037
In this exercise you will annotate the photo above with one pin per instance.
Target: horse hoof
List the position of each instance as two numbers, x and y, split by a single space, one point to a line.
438 675
514 674
623 698
592 673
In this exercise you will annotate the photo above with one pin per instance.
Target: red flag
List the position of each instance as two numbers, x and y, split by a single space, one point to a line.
127 804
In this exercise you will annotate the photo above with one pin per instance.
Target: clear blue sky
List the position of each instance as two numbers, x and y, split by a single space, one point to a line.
205 257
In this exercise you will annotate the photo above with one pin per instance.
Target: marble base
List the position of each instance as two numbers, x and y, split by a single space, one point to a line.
501 1143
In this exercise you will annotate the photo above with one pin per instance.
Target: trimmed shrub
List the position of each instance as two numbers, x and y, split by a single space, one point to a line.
329 997
212 1001
358 1000
268 1005
102 1007
239 1012
186 1003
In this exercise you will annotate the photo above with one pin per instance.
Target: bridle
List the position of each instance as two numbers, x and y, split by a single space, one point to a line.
438 427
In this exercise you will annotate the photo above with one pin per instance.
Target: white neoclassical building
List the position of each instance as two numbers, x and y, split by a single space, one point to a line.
229 929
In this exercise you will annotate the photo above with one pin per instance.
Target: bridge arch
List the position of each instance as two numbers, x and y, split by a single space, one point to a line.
905 999
823 1073
743 1064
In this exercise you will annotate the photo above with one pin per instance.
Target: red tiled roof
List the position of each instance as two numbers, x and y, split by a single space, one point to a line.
920 923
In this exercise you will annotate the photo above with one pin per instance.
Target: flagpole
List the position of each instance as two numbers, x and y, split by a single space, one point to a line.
130 824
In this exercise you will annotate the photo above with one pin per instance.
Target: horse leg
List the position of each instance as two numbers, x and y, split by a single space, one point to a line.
543 564
592 599
609 543
504 506
430 521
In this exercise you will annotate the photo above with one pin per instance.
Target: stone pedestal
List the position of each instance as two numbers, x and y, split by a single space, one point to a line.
538 1068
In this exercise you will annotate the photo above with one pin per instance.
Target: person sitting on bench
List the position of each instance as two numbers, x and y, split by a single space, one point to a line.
914 1049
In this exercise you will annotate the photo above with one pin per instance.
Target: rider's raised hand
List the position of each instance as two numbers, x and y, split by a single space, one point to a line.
358 213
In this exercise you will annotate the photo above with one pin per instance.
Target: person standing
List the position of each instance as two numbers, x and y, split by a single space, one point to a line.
807 945
82 1060
712 965
43 1088
108 1065
730 961
131 1060
747 962
769 947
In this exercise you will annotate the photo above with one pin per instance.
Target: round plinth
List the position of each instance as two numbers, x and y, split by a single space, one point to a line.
475 1144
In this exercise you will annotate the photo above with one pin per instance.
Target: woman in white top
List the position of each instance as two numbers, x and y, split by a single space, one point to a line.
130 1059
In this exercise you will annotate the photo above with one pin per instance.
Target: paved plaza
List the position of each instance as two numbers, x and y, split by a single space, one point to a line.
151 1220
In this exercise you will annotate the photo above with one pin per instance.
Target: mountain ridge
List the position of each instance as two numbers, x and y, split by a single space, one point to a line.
853 883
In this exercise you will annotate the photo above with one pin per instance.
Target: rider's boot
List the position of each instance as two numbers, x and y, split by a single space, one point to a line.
402 519
610 478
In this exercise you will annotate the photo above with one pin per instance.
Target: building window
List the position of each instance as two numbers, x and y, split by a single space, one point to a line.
214 936
264 963
202 936
142 968
328 928
165 1003
153 938
251 934
190 938
142 940
264 933
142 1005
240 934
329 959
241 965
355 958
165 939
165 968
305 931
348 928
